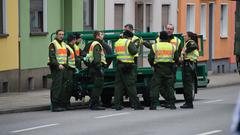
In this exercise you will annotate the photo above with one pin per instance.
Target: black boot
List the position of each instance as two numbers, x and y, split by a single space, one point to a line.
187 106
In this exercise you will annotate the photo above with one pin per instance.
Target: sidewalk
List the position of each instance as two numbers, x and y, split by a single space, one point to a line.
40 100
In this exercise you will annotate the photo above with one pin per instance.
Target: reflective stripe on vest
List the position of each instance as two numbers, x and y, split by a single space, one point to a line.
77 50
90 53
164 52
60 52
121 49
192 56
71 58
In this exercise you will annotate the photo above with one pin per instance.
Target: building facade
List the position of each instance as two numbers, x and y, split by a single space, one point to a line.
214 19
145 15
9 45
26 30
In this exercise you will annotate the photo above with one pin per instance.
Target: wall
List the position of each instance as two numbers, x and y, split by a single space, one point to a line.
9 55
9 45
222 47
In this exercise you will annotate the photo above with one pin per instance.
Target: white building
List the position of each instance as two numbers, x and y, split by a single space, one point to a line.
145 15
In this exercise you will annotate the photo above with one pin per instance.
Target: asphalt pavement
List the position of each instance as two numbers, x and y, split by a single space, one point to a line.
40 100
212 114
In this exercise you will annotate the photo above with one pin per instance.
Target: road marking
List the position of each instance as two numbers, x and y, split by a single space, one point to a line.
33 128
112 115
213 101
211 132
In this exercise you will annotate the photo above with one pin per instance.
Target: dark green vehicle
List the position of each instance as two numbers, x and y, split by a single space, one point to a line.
144 74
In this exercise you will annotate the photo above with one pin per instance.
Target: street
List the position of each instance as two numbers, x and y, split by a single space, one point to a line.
212 114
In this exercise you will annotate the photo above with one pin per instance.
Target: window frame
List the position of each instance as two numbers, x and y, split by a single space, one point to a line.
223 32
168 18
91 22
192 23
4 34
44 32
203 18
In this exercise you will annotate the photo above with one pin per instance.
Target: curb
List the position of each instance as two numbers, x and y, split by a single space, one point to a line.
80 106
26 109
39 108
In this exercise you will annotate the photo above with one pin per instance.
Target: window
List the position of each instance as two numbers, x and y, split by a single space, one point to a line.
203 20
2 17
190 18
165 15
139 12
148 17
224 21
88 14
36 16
118 16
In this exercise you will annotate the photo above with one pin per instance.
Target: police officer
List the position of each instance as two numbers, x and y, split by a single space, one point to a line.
58 64
97 60
71 66
189 56
135 40
162 57
125 76
175 41
79 54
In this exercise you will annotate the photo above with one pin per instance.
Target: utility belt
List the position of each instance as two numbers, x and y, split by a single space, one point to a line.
125 67
160 64
191 64
124 63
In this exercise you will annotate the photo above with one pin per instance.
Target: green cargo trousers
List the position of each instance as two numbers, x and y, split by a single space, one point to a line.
188 75
162 80
125 79
163 93
59 92
97 76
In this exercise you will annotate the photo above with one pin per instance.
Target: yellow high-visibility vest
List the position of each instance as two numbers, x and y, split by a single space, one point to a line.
60 52
77 50
192 56
121 49
176 41
164 52
133 39
71 58
90 53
